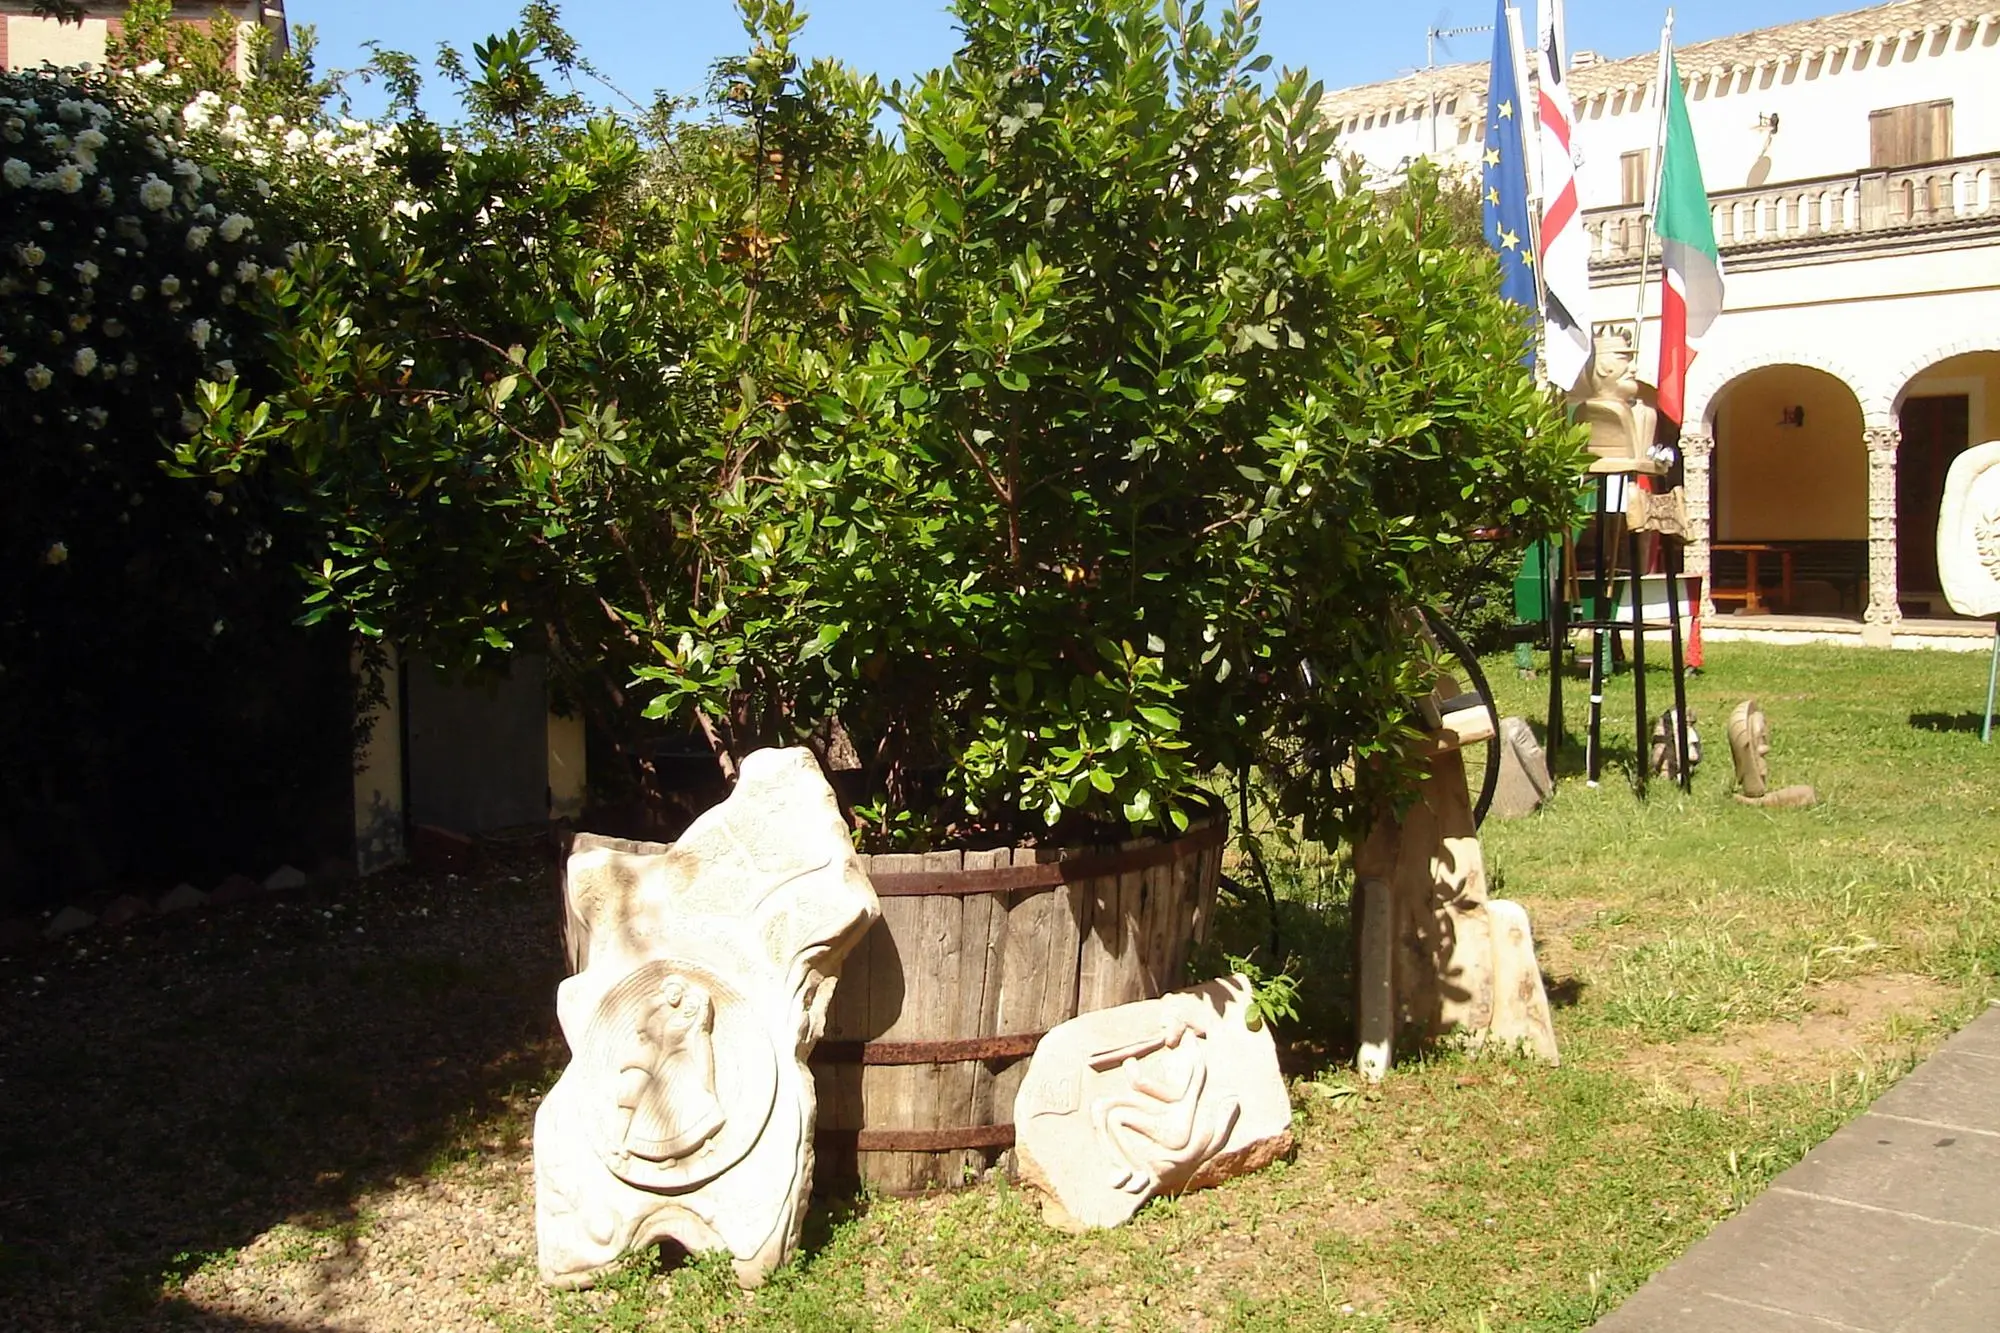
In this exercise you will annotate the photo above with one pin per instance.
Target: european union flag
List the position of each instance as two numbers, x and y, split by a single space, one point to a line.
1503 177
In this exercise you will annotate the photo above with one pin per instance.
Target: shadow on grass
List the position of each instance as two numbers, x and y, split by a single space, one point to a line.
271 1063
1965 722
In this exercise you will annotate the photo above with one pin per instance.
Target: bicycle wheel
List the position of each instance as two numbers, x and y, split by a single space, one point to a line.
1482 769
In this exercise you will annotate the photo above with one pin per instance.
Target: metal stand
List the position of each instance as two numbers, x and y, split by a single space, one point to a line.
1599 617
1992 677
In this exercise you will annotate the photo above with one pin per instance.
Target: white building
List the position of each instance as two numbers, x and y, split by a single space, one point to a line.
1853 170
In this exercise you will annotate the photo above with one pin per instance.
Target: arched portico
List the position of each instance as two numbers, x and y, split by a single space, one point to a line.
1945 401
1783 471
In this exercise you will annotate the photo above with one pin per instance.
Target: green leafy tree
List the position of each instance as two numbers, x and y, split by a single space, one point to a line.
1091 436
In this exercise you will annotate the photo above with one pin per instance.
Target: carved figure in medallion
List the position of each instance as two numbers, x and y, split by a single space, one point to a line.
706 969
669 1086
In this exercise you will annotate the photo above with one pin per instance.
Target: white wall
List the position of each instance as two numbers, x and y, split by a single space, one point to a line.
1822 104
33 42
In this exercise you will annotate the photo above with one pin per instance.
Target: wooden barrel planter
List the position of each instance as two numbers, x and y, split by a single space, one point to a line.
976 956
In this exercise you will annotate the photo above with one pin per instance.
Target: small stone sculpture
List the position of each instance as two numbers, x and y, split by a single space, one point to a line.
1666 746
1749 746
1666 514
1156 1097
705 972
1968 536
1524 781
1609 400
1438 957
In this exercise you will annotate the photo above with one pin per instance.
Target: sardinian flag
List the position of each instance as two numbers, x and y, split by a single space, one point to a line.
1565 249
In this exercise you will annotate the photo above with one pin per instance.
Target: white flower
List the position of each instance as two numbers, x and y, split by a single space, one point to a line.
86 360
6 356
87 271
91 140
155 193
226 369
129 366
199 332
69 112
213 497
169 285
247 271
16 172
68 178
190 422
228 293
186 170
56 554
198 237
96 416
39 376
152 69
263 187
296 140
233 227
214 269
30 254
106 196
79 322
114 328
138 291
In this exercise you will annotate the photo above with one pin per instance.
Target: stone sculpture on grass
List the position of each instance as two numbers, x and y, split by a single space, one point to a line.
704 972
1151 1098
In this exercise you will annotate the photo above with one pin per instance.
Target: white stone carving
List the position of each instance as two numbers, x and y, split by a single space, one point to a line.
1968 535
1156 1097
1749 747
706 969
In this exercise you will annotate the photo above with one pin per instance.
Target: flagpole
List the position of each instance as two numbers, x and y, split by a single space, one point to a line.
1652 186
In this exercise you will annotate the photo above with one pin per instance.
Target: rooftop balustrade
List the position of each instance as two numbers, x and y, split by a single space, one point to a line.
1955 194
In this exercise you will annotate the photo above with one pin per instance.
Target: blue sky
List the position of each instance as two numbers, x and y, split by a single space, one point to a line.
646 44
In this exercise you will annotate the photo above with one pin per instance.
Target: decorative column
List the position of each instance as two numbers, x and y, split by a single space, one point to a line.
1883 611
1697 453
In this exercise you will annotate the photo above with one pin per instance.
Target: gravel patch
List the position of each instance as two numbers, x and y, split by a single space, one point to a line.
307 1112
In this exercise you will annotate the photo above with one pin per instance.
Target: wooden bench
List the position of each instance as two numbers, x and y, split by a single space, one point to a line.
1841 564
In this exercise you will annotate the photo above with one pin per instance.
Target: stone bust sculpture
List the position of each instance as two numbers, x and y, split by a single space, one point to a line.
1609 401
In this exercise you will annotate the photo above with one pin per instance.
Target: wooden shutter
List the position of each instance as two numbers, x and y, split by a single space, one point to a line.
1901 136
1633 176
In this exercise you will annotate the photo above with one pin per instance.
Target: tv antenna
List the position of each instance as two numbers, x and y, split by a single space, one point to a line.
1432 35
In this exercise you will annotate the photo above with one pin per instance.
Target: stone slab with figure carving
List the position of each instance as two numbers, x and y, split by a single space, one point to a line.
1156 1097
1968 535
703 974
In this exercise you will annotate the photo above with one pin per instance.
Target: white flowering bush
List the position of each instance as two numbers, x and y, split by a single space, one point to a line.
132 261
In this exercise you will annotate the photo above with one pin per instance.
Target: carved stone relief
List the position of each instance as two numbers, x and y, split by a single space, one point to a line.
1968 535
1749 744
1156 1097
705 971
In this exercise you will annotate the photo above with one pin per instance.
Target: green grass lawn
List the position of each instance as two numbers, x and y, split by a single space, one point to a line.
1733 982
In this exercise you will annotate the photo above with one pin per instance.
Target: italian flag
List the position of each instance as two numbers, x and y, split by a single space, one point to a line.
1691 291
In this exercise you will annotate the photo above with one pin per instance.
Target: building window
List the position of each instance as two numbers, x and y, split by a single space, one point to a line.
1901 136
1633 177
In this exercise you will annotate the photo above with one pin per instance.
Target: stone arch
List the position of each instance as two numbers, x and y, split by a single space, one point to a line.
1910 369
1708 380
